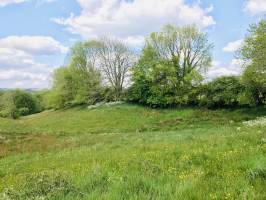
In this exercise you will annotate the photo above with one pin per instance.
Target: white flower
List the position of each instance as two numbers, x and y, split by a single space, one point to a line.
260 121
105 104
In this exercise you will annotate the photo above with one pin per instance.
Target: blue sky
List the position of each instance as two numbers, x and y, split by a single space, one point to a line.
36 35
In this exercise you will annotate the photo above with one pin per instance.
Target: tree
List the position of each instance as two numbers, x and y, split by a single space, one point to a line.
185 47
171 63
80 82
87 77
253 53
63 91
17 103
115 61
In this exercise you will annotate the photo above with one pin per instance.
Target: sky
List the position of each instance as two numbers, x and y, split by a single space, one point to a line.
36 35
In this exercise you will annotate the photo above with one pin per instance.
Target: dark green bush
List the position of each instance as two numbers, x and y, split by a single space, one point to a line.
221 92
158 86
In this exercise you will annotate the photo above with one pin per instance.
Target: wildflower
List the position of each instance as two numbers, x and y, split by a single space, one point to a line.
260 121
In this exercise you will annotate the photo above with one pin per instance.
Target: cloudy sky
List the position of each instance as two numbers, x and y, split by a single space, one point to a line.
36 35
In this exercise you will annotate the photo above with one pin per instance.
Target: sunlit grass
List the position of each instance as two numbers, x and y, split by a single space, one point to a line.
140 153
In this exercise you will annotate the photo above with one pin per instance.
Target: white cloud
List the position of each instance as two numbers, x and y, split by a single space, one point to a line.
4 3
7 2
233 46
218 69
37 76
41 2
35 45
135 41
132 19
255 6
20 60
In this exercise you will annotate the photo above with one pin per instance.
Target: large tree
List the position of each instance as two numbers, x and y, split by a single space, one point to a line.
115 61
172 61
253 53
80 81
185 47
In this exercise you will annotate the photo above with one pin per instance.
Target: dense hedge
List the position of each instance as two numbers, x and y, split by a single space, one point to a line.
227 91
222 92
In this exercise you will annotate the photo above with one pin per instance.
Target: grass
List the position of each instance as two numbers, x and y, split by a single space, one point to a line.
132 152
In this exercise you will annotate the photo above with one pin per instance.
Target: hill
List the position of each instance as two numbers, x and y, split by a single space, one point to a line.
133 152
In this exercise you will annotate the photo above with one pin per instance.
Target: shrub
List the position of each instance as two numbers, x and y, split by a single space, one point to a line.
107 94
221 92
17 103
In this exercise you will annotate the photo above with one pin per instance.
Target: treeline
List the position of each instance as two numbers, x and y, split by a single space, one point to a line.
168 72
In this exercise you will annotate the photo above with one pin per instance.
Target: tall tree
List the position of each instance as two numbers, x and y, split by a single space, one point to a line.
115 61
79 82
186 47
253 53
171 63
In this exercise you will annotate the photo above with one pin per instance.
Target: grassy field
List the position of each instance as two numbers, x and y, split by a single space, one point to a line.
133 152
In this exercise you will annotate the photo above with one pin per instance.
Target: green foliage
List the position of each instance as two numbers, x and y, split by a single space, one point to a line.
253 53
44 98
224 91
63 92
79 83
167 71
18 103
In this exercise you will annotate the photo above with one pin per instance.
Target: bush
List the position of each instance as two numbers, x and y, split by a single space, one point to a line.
107 94
221 92
17 103
159 87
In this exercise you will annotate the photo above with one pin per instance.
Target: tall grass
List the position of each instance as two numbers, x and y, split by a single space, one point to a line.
179 154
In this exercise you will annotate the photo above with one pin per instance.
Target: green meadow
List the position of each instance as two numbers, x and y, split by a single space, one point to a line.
134 152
